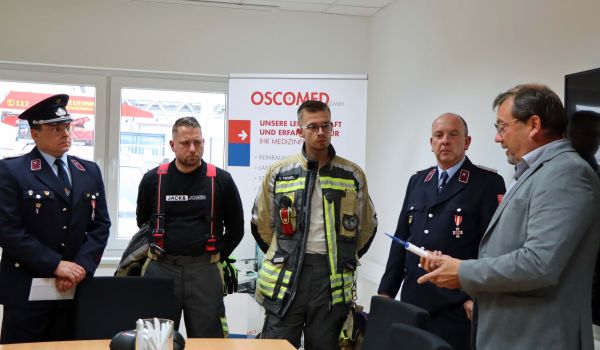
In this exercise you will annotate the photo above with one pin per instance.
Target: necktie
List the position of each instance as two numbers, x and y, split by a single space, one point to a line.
443 180
62 175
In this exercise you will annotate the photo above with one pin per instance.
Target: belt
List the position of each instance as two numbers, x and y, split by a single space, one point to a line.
315 259
180 260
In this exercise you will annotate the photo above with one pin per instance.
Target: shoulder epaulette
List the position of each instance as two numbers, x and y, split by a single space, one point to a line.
11 157
425 170
486 168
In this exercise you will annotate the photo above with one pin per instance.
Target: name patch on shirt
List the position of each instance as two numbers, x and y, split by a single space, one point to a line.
286 177
184 197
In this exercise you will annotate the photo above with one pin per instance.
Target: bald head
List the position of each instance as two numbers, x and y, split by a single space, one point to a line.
449 116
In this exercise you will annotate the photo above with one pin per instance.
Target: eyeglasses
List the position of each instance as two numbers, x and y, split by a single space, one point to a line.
326 127
501 127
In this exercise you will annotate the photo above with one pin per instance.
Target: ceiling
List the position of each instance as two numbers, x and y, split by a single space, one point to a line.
363 8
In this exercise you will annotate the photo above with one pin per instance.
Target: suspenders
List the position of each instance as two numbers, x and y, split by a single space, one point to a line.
157 245
211 172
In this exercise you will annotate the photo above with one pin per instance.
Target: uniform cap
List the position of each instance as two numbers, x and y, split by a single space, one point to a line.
50 110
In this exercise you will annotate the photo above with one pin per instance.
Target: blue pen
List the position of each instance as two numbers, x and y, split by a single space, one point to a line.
409 246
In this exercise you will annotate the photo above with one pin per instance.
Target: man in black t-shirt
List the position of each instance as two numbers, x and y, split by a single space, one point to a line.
203 223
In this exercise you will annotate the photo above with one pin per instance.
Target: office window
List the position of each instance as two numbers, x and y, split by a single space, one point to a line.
146 119
16 97
122 121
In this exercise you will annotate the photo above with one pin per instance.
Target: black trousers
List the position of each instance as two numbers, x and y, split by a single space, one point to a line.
198 292
311 312
38 321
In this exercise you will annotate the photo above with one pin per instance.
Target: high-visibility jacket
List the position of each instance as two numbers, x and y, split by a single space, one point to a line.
280 225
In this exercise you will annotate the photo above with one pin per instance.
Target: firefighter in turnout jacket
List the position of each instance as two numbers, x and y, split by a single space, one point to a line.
314 219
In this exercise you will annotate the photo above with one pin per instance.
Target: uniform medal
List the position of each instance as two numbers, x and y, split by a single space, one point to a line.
457 221
38 205
93 202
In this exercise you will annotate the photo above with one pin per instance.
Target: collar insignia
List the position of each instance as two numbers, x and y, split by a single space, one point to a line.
429 175
36 164
463 176
77 165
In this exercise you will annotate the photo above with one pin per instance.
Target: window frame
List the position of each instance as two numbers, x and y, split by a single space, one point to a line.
115 245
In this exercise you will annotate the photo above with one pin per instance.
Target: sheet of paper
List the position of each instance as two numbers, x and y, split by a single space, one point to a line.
45 289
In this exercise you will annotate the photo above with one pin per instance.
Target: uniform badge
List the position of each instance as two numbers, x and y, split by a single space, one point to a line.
77 165
60 112
463 176
36 164
350 222
429 175
457 221
500 198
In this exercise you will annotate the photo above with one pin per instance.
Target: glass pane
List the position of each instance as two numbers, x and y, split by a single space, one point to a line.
16 97
147 117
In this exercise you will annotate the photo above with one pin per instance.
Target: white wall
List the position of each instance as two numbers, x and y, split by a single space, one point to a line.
183 38
428 57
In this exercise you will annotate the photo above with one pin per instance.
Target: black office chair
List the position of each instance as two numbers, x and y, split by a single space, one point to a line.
105 306
385 311
403 336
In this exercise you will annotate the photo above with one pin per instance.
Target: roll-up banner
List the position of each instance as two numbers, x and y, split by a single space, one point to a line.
263 127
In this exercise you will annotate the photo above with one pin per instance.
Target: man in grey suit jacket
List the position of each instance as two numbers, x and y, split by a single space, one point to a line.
532 280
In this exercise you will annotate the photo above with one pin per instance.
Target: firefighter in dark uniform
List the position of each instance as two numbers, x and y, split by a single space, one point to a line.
53 224
203 223
446 208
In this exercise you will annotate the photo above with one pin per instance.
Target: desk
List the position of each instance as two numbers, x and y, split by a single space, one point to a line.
190 344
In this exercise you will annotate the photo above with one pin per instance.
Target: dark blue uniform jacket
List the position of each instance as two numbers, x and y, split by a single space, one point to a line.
428 219
40 225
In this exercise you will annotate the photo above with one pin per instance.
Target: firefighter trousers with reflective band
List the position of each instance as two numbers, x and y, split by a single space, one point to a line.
198 288
311 311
